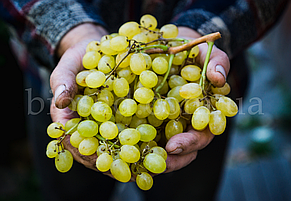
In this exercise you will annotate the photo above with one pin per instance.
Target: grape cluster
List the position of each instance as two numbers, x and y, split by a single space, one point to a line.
137 91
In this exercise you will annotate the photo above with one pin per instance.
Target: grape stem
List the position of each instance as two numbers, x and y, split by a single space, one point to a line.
99 137
203 74
67 132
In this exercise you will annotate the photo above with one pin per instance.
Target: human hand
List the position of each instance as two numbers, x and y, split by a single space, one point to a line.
183 148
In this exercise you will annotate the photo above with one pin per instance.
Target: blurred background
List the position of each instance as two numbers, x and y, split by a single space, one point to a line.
258 165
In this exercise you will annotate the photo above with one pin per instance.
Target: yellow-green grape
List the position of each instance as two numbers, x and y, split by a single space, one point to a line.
74 102
127 74
103 162
148 21
120 127
194 52
172 128
129 153
151 35
143 95
81 76
127 107
147 145
148 60
165 87
88 128
154 163
90 91
147 132
175 92
160 151
120 170
135 121
200 118
137 63
148 79
169 31
52 149
93 46
215 98
106 63
91 59
144 181
174 70
129 29
124 62
54 131
101 111
227 106
119 43
190 90
109 83
64 161
179 58
108 130
106 49
176 80
119 118
217 122
174 107
192 104
105 37
88 146
152 119
120 87
106 96
161 109
221 90
141 38
95 79
84 106
191 73
175 43
76 139
143 110
160 65
129 136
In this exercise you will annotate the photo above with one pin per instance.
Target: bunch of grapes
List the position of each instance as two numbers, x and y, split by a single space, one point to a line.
139 87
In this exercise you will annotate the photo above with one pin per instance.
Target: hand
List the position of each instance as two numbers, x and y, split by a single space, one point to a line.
183 148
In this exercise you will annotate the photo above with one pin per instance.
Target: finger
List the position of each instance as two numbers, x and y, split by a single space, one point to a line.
185 143
176 162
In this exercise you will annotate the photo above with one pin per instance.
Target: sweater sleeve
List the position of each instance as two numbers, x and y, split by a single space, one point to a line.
240 22
40 25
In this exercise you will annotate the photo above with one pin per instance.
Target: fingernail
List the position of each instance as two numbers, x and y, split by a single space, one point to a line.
220 69
60 89
176 151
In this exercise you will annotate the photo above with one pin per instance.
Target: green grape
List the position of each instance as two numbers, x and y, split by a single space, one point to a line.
144 181
147 132
191 73
106 63
127 74
148 79
143 110
137 63
149 21
148 60
102 148
135 121
84 106
194 52
81 77
106 96
161 109
151 35
169 31
95 79
175 70
64 161
119 118
90 91
53 130
71 123
109 83
127 107
93 46
165 87
179 58
154 163
52 149
76 139
143 95
126 61
147 145
91 59
192 104
101 111
129 29
120 87
141 38
152 119
217 122
174 107
129 136
129 153
227 106
108 130
172 128
88 146
105 48
105 37
190 90
215 98
200 118
176 80
175 93
120 127
87 128
120 170
118 43
74 102
160 151
103 162
160 65
221 90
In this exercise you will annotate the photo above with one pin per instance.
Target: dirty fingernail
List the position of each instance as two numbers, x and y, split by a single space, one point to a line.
220 69
60 89
176 151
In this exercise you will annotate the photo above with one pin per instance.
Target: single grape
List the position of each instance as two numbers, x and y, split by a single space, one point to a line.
148 60
101 111
108 130
129 29
125 62
160 65
152 119
119 118
71 123
84 106
127 74
64 161
52 149
106 63
88 146
106 96
143 95
143 110
127 107
194 52
93 46
149 21
118 43
120 170
129 136
81 77
147 145
227 106
137 63
217 122
109 83
54 131
179 58
176 80
191 73
172 128
129 153
103 162
221 90
161 109
154 163
91 59
200 118
175 92
95 79
120 87
106 49
120 127
135 121
147 132
141 38
192 104
190 90
148 79
174 107
87 128
144 181
74 102
160 151
169 31
76 139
